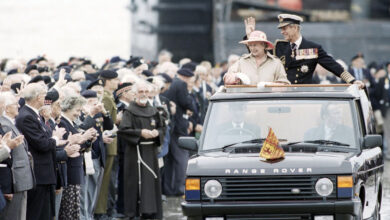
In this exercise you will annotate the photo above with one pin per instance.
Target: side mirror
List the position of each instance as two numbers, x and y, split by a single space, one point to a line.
188 143
372 140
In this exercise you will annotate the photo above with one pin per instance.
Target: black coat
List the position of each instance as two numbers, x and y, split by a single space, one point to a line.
178 93
203 101
381 95
6 173
40 144
98 147
61 158
75 166
310 54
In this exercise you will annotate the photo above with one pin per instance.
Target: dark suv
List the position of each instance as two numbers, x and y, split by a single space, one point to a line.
333 162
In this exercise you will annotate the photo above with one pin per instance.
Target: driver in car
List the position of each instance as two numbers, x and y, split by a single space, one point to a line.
330 128
237 128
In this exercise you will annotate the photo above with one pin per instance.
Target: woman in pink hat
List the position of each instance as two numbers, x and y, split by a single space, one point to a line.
259 67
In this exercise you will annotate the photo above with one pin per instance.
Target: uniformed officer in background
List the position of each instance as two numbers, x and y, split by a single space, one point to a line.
300 56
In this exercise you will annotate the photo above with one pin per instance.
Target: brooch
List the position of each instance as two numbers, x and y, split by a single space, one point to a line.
304 68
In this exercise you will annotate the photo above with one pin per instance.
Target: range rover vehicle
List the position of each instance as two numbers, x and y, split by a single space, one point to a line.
332 168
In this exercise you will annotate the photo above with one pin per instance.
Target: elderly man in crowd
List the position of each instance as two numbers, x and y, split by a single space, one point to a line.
19 174
41 199
141 130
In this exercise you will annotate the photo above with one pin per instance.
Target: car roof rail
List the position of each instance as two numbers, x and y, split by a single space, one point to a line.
349 88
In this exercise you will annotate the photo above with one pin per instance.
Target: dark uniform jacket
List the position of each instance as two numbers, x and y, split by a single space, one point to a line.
178 93
40 144
300 68
110 106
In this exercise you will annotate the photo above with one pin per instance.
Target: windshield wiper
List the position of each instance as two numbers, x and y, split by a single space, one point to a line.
257 140
320 142
319 145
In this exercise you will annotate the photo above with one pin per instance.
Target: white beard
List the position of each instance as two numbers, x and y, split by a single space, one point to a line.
143 101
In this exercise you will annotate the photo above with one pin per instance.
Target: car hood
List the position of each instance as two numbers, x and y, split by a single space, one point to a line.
247 164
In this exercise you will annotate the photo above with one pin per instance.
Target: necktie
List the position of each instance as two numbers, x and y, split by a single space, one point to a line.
293 49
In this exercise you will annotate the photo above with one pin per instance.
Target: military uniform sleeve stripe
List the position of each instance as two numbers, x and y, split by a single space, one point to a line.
347 77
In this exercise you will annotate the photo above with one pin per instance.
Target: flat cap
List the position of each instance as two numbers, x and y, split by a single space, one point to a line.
190 65
96 82
185 72
51 96
116 59
108 74
89 94
12 71
166 77
147 73
137 61
29 68
15 87
37 78
286 19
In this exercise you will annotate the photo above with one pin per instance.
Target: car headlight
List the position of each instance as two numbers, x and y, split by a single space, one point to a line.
324 187
213 189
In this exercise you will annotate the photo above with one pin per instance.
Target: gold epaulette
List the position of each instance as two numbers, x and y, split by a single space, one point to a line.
347 77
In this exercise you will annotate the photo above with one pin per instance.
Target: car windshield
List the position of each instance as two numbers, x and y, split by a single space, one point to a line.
311 121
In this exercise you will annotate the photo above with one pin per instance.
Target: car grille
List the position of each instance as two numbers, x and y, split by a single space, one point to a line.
270 217
268 188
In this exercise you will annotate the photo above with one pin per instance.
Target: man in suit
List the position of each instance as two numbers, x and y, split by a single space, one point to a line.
23 178
299 55
177 158
41 199
358 70
330 128
237 128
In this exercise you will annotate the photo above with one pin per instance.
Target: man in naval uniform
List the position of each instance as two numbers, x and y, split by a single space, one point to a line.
300 56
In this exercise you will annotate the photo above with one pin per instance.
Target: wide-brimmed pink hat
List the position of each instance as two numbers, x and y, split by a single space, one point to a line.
257 36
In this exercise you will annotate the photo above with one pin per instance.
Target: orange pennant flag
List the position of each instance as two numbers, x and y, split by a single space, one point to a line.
271 149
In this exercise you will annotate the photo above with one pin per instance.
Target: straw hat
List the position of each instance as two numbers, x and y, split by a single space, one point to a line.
257 36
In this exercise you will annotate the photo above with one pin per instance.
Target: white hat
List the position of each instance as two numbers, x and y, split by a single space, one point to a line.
286 19
257 36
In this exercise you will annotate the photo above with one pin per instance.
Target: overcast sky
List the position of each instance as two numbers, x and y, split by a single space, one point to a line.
98 29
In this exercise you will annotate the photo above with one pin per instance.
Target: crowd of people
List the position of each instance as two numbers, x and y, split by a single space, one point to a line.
87 142
80 141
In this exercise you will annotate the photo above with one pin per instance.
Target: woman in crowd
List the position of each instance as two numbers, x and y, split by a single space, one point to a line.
71 108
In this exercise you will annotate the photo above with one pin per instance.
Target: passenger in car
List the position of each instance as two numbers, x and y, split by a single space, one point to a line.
330 127
257 67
